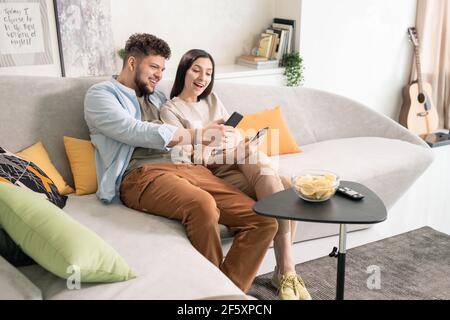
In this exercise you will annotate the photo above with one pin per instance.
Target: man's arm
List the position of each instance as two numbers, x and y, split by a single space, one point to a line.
215 132
212 135
104 114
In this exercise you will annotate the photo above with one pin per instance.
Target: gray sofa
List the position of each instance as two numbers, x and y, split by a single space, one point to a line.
335 133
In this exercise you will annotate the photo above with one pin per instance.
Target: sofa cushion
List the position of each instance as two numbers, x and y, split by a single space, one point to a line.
14 285
81 155
156 248
24 173
386 166
38 155
280 142
56 241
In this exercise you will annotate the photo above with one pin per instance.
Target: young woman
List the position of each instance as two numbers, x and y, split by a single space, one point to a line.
194 105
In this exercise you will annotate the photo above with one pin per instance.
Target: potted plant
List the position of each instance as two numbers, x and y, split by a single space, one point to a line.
293 69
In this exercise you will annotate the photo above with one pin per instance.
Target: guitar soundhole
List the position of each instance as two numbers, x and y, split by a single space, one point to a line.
421 98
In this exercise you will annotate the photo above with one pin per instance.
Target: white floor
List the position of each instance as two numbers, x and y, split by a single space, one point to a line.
426 203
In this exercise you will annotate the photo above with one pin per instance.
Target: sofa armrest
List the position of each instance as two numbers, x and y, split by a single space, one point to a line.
14 285
341 117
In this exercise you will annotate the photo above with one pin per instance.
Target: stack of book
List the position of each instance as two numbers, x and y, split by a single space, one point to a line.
257 62
285 29
273 44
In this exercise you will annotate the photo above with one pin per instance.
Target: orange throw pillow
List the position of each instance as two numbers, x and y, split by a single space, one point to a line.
81 155
278 140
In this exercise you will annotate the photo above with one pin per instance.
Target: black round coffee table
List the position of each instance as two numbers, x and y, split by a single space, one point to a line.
287 205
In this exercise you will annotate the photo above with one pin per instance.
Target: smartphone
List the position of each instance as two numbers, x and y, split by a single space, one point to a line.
260 133
234 119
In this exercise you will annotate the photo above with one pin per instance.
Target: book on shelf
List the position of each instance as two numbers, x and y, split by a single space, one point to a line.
281 43
289 26
273 43
266 44
276 42
289 37
263 64
285 21
249 57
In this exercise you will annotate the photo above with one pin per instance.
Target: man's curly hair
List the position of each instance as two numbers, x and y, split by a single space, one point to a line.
144 44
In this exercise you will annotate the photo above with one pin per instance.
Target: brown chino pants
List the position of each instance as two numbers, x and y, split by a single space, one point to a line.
201 201
258 181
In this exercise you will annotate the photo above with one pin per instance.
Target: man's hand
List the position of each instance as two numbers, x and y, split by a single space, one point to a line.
216 134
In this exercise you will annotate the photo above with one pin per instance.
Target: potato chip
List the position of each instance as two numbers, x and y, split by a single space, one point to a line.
317 187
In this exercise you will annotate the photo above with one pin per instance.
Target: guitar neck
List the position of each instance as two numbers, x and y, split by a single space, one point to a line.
419 68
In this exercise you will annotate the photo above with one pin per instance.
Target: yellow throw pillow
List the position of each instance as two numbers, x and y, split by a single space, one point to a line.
37 154
278 140
81 155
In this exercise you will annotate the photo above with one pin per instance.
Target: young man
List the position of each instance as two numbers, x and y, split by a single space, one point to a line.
133 163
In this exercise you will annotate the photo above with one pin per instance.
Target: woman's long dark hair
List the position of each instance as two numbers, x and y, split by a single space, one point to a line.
185 63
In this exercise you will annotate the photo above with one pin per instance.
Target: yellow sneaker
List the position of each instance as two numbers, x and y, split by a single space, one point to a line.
290 287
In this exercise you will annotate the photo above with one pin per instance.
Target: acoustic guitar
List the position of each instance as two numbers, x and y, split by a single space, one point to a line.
418 113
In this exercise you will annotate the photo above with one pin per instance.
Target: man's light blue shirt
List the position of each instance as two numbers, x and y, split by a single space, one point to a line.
113 115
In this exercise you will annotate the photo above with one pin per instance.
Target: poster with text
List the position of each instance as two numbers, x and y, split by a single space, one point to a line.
24 33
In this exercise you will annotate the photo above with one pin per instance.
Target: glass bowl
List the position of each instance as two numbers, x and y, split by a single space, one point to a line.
315 185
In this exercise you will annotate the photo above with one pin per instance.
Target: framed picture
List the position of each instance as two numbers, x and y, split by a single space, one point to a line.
85 37
24 33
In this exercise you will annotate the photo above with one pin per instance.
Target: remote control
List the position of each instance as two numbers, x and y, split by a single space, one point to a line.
350 193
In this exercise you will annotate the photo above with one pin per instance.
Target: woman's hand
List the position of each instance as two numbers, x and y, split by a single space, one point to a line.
232 139
216 134
246 149
245 152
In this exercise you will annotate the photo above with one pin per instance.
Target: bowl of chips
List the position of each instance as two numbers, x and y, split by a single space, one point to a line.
315 185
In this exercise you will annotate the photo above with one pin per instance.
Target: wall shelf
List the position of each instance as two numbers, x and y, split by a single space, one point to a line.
242 74
238 71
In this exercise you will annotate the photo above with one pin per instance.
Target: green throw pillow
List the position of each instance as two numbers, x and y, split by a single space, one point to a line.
55 240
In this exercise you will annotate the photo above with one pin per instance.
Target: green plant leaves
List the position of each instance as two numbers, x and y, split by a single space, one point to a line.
293 69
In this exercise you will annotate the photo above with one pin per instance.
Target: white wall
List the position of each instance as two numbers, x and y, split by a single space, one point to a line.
41 70
358 49
225 28
351 47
